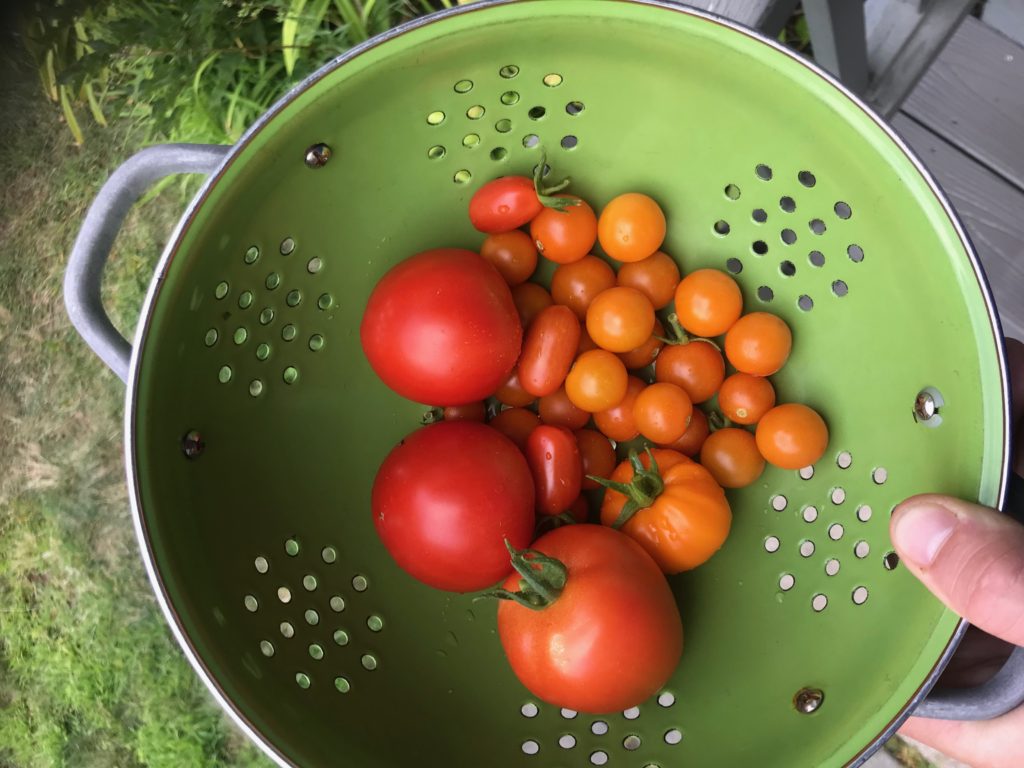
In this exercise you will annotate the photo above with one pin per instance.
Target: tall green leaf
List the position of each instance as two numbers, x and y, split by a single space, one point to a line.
289 31
69 115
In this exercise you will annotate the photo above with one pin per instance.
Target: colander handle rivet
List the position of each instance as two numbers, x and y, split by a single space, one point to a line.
807 700
927 404
193 444
318 155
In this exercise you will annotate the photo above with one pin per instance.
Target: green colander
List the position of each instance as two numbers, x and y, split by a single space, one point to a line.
254 424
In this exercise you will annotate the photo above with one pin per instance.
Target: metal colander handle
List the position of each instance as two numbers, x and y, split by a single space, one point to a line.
99 230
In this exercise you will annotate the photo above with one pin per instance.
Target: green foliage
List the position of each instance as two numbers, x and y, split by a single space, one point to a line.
195 70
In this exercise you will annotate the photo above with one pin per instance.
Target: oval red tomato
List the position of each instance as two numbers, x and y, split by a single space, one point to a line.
441 328
548 350
445 500
504 204
554 460
570 653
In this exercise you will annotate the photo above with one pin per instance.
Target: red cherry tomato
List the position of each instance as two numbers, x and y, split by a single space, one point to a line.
647 352
516 424
732 456
512 253
445 500
441 328
548 350
530 299
558 410
554 460
696 366
575 285
467 412
597 455
694 436
504 204
512 393
580 510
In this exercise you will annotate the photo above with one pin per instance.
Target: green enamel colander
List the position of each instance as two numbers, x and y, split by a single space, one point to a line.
254 424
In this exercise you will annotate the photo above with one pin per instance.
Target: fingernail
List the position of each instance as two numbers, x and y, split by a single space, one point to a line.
920 530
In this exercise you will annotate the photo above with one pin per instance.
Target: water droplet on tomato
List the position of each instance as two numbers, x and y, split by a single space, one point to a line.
503 209
547 455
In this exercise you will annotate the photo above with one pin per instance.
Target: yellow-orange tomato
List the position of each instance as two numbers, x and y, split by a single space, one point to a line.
684 524
646 353
631 227
617 422
697 367
758 343
513 253
731 456
792 436
694 436
620 319
576 284
566 235
656 277
745 399
597 381
662 412
708 302
530 299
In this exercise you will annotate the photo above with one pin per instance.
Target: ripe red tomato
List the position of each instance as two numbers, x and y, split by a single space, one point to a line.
445 500
511 392
647 352
548 350
662 412
516 424
656 277
792 436
708 302
597 455
744 399
512 253
467 412
631 227
620 319
504 204
618 422
580 510
731 455
570 653
530 299
441 328
565 235
558 410
683 516
576 284
554 460
694 436
758 343
695 366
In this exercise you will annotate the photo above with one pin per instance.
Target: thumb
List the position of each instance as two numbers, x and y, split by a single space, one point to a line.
970 557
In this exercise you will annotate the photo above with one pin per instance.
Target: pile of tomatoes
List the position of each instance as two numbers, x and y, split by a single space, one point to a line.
638 389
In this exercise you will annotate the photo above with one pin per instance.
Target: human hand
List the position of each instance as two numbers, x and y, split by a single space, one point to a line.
972 558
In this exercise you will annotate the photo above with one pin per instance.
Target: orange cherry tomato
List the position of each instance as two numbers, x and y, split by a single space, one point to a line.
557 410
744 399
597 381
620 319
617 422
656 277
467 412
516 424
530 299
631 227
597 454
694 436
586 343
566 235
662 412
548 350
708 302
576 284
792 436
696 366
646 353
512 392
681 525
732 457
513 253
758 343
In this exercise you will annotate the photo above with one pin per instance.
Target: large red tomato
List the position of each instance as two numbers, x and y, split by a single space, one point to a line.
612 635
441 328
447 498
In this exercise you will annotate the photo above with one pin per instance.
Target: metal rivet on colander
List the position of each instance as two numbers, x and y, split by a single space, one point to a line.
192 444
317 156
808 700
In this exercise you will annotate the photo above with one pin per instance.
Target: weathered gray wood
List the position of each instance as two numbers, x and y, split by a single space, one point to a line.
992 211
895 77
973 95
1007 16
840 45
753 13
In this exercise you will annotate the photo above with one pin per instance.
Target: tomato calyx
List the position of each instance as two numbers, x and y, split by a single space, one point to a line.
640 492
542 582
546 194
550 522
677 336
718 420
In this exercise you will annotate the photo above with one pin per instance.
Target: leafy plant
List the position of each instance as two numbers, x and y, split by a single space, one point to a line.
201 70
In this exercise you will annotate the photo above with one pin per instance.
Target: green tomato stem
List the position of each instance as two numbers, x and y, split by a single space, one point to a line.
542 582
640 492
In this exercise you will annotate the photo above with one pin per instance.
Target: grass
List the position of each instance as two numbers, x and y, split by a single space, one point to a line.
89 673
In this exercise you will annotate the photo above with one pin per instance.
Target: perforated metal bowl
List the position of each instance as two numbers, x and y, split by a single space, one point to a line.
255 425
